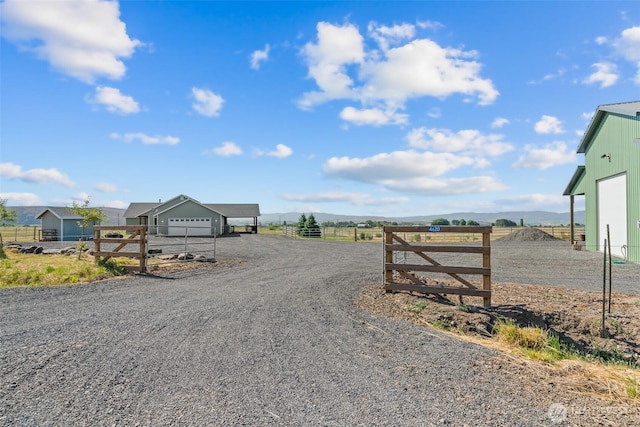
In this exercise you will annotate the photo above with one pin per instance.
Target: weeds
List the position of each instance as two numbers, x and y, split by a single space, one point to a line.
528 337
465 308
20 270
416 307
632 388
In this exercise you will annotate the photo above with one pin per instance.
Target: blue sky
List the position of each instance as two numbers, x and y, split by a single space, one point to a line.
360 108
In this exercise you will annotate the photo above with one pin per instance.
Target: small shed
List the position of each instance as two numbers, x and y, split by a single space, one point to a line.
60 224
610 180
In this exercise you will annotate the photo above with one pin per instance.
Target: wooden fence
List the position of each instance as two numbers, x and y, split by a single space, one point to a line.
393 243
137 237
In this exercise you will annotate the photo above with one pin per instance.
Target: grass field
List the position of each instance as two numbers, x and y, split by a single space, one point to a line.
375 234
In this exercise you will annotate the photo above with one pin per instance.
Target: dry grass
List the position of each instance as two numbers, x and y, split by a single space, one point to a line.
21 270
620 384
535 352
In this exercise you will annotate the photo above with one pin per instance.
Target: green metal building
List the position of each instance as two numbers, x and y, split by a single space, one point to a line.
610 180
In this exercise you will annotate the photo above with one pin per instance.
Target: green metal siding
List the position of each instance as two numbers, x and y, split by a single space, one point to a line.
614 137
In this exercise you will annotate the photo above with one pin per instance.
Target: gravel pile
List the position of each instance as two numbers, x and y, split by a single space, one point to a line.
527 235
272 340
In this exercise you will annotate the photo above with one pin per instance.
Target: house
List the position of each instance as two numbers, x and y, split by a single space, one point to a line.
610 180
63 225
183 215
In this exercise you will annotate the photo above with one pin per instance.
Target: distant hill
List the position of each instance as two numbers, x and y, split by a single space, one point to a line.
27 216
529 218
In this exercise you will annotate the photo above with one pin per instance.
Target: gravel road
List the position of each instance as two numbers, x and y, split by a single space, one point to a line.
272 341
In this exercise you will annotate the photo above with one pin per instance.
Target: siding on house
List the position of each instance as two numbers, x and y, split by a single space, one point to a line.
611 149
158 215
186 209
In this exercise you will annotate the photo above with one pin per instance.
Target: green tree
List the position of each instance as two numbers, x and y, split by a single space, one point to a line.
311 222
455 222
302 221
7 215
440 221
503 222
301 224
472 222
90 216
463 222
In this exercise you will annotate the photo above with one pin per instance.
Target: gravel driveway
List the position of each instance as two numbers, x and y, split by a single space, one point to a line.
272 341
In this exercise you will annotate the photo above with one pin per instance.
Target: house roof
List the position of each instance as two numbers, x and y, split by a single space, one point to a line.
228 210
245 210
631 109
61 213
574 187
136 209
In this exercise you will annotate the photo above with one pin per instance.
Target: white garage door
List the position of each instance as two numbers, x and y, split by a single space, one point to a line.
190 227
612 210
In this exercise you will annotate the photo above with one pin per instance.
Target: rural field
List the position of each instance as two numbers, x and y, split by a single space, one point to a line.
298 332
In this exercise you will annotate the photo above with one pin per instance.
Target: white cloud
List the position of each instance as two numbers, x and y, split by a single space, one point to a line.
114 101
434 113
21 199
281 151
554 154
429 25
499 122
445 186
424 68
628 45
259 56
587 116
372 116
601 40
390 36
84 39
226 149
37 176
207 103
81 197
606 74
549 124
146 139
470 141
358 199
546 202
551 76
337 47
386 79
105 187
394 165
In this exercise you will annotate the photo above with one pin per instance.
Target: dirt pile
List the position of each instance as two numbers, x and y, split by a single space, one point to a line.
527 235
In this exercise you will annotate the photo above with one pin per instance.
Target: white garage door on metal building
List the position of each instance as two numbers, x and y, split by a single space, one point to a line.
612 210
190 227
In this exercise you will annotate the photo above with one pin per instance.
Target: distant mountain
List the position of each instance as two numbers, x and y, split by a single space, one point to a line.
27 215
529 217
